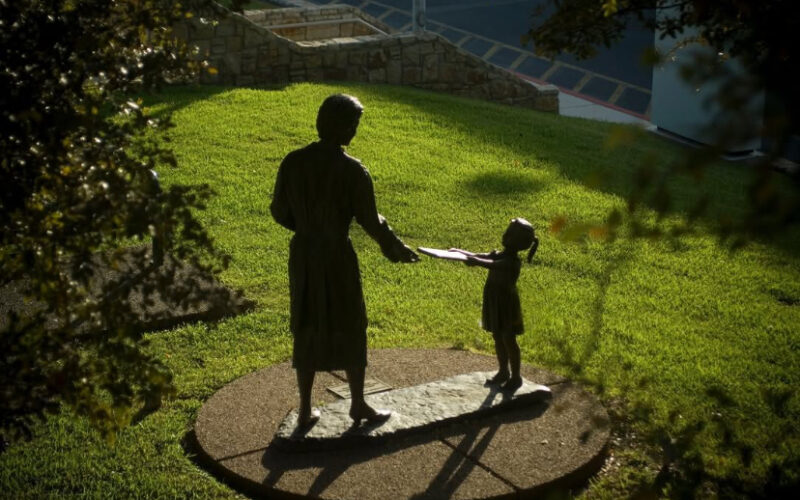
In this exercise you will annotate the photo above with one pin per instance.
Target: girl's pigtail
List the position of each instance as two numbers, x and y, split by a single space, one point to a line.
533 249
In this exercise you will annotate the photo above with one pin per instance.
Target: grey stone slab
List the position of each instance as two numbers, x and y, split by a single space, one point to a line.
414 409
241 418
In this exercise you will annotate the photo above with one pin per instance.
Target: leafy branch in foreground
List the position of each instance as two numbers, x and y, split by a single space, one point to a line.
760 38
78 179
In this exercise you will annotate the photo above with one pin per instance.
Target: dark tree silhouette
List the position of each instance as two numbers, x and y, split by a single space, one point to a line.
77 180
760 36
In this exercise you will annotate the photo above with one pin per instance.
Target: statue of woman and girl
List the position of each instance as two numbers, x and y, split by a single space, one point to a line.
319 190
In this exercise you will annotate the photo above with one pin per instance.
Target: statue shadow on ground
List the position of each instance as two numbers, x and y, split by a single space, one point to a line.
474 435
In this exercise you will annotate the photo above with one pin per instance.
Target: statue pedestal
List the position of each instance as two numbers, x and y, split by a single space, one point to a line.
414 409
532 448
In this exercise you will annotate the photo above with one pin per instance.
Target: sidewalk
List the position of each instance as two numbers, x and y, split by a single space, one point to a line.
570 105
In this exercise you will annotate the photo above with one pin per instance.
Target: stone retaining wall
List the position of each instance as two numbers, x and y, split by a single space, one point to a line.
245 53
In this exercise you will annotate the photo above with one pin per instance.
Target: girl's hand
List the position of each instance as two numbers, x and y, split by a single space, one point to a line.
462 252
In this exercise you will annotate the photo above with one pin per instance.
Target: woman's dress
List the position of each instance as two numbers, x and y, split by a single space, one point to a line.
319 190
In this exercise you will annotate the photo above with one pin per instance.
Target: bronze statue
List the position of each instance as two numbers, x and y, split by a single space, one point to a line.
502 315
319 189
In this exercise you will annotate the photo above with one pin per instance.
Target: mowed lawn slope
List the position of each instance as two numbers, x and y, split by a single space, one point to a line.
662 325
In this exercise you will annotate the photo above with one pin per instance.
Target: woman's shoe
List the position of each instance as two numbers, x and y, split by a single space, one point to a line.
498 378
308 421
512 384
371 415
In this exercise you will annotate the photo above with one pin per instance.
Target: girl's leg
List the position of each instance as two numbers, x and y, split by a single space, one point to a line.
512 348
502 360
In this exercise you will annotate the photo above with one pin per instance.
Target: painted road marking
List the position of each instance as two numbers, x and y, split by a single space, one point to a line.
582 83
547 74
518 61
617 92
489 53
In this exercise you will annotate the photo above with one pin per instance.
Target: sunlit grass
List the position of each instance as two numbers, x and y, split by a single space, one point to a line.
643 320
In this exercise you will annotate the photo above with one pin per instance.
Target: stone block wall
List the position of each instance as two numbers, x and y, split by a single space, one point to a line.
245 53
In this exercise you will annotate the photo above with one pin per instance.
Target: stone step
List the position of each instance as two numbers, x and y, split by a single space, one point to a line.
414 409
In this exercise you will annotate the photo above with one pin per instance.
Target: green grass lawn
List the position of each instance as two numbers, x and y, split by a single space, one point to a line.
668 335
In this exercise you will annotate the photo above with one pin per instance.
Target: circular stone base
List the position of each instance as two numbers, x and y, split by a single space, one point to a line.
518 453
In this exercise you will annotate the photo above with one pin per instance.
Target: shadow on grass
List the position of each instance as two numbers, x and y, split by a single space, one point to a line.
173 99
503 183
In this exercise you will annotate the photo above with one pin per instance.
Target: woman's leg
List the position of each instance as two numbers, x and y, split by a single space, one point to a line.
305 382
355 379
359 409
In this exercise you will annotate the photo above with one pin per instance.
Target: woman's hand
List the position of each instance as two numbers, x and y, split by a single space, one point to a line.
406 254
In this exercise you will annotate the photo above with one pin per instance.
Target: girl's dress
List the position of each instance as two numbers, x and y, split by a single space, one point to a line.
502 313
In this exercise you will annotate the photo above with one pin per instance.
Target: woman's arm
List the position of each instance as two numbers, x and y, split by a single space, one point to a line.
477 260
280 209
366 214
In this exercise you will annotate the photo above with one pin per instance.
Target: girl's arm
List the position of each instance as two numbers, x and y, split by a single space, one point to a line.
470 254
479 260
463 252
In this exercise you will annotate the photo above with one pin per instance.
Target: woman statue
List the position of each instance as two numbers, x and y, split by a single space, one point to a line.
318 191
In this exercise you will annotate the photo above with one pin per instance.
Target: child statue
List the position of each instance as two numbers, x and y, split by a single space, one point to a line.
502 314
